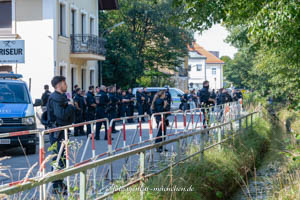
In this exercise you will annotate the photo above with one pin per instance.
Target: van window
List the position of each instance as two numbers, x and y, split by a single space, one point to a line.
13 93
173 93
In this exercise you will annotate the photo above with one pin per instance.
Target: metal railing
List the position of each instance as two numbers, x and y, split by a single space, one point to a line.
202 135
84 43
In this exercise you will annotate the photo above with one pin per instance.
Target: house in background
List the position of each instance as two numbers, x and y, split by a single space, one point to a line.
179 76
61 38
204 65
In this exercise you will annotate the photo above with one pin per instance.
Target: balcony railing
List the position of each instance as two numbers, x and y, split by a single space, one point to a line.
84 43
182 72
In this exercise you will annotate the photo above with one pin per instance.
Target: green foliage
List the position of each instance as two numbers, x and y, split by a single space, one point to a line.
216 176
287 184
266 32
148 41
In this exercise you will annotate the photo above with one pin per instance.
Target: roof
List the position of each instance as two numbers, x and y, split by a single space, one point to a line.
195 54
210 58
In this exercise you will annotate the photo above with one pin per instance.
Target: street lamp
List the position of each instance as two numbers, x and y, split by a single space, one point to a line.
109 30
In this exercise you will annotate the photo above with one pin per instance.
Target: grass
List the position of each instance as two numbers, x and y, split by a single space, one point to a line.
287 184
218 175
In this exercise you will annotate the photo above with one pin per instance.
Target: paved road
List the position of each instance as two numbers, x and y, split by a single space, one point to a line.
19 163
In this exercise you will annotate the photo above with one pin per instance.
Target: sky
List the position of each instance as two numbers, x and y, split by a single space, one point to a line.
213 40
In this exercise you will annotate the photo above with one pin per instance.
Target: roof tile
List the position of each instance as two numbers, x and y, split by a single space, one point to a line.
210 58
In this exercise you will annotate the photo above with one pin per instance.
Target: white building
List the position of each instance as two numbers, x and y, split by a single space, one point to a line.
61 38
204 65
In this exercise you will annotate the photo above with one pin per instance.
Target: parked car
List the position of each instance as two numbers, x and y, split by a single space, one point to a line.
16 112
175 94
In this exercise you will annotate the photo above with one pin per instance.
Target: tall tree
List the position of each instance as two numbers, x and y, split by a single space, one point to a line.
148 41
268 29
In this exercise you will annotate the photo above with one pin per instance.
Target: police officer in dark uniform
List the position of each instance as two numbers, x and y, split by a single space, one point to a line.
119 105
237 94
147 102
130 108
74 91
102 101
80 108
124 104
91 107
160 104
205 99
140 102
45 95
112 107
60 112
184 101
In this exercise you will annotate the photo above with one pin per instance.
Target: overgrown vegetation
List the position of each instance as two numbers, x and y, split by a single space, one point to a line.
266 34
287 183
218 175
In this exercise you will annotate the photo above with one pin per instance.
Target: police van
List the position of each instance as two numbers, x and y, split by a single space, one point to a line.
175 94
16 112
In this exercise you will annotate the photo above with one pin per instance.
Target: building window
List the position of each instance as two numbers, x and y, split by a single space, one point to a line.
73 22
62 71
213 71
5 17
83 79
83 23
92 77
199 67
62 19
73 77
92 26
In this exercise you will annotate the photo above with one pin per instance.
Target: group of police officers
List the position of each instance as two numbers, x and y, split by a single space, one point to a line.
110 102
205 98
107 102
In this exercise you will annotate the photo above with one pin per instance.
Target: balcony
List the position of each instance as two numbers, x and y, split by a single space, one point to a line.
88 47
182 72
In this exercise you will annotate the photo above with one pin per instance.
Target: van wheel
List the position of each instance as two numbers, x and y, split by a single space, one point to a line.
30 149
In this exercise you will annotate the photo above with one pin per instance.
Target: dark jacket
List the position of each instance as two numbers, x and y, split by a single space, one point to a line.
204 96
158 107
113 102
184 98
168 97
45 97
130 96
80 114
102 104
90 99
139 96
59 112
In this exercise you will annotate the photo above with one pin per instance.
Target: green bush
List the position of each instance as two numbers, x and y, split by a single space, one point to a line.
218 175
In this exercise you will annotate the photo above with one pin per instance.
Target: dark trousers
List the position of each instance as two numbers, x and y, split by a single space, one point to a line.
78 119
124 111
90 117
159 133
147 109
58 137
141 110
129 112
101 114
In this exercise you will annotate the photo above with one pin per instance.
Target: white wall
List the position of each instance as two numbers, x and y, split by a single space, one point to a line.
196 77
214 80
39 45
